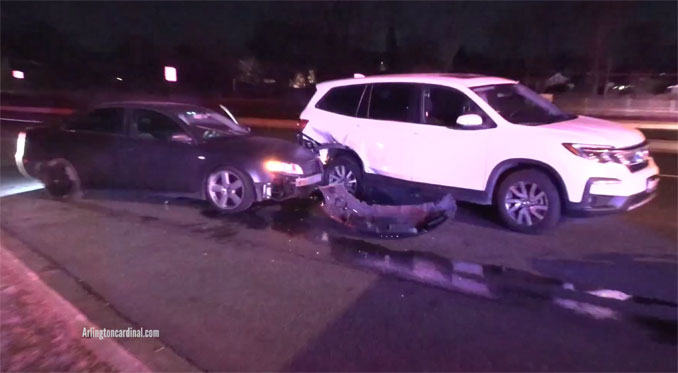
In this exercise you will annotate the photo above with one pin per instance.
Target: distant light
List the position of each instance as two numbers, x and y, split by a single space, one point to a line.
118 78
17 74
170 74
611 294
201 157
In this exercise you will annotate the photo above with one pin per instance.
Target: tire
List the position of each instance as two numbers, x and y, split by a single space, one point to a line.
229 190
61 179
528 201
346 170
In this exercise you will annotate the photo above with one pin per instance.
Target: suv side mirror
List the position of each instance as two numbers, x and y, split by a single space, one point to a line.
470 120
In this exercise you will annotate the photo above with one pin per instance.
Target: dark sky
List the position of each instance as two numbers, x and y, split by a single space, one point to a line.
229 25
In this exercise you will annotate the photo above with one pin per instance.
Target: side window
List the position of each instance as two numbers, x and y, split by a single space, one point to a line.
394 101
342 100
150 124
106 121
443 105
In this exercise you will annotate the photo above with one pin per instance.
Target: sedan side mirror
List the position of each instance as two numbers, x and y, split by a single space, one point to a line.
181 137
470 120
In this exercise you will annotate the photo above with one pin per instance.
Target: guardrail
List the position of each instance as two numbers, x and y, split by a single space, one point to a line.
622 107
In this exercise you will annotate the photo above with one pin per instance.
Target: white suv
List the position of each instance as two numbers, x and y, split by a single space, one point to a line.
487 140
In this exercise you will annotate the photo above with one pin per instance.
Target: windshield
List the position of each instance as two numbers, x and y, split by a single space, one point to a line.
209 124
521 105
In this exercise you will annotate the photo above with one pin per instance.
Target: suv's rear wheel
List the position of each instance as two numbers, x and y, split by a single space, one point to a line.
528 201
344 170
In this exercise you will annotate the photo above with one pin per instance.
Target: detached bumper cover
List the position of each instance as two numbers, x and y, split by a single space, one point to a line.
343 207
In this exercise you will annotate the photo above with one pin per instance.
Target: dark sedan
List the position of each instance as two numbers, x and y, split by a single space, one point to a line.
167 147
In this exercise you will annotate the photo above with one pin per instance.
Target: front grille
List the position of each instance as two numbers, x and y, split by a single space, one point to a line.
638 166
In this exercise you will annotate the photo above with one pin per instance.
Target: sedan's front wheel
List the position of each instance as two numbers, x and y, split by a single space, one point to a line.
527 201
229 190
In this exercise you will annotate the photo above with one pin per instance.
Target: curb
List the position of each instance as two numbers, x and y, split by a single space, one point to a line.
105 350
127 355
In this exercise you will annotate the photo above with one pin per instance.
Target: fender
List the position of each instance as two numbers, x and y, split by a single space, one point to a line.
518 163
336 151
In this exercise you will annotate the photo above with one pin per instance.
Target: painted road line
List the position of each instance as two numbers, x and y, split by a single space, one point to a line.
650 125
21 120
39 110
292 124
269 123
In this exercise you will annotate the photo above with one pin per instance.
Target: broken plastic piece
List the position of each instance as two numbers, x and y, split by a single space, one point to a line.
343 207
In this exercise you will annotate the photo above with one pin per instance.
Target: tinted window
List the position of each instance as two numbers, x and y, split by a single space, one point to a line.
394 101
342 100
442 106
153 125
364 103
520 105
109 120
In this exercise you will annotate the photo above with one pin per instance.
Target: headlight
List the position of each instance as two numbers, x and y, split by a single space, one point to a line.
604 154
282 167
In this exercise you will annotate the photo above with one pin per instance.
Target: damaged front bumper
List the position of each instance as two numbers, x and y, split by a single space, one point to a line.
343 207
285 187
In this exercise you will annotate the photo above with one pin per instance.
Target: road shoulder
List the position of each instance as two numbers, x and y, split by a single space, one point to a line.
45 310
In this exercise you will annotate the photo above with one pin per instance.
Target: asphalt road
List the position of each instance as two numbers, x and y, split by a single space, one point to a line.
284 288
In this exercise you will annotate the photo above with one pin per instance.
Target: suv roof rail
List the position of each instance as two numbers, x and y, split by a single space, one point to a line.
358 75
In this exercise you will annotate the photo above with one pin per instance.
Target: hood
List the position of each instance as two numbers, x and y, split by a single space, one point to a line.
587 130
260 147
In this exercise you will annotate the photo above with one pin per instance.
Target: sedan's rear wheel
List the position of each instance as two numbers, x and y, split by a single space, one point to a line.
61 179
229 190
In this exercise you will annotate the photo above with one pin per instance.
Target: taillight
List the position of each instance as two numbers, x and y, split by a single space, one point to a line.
20 146
19 155
301 124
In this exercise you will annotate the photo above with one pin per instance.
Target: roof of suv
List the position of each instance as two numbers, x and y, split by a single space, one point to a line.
467 80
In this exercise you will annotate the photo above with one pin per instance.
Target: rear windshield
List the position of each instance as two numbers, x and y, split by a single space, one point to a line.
342 100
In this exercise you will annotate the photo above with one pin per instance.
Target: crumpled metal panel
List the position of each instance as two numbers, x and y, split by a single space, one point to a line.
343 207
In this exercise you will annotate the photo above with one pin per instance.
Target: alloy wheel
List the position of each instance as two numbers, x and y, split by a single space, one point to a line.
340 174
526 203
225 189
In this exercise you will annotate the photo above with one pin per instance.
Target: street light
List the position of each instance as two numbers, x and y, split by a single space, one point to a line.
17 74
170 74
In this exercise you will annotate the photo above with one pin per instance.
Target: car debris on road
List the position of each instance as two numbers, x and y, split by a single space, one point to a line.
345 208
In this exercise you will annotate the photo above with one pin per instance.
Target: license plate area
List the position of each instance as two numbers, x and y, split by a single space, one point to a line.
304 181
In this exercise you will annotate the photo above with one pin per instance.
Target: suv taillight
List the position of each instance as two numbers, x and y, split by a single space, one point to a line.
301 124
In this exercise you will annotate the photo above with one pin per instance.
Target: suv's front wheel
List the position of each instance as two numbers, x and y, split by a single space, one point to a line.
528 201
